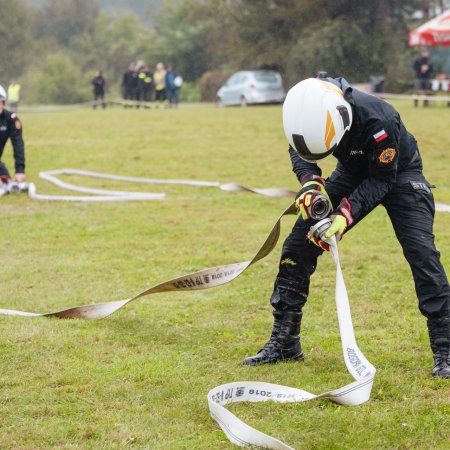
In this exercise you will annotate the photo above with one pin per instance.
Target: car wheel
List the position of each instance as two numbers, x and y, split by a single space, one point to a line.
243 102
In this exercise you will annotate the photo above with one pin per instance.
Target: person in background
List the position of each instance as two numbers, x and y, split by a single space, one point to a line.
159 79
13 95
173 83
11 128
99 89
137 84
145 84
148 84
440 83
424 69
129 84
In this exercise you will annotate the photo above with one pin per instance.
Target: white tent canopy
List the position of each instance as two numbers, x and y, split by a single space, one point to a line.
433 33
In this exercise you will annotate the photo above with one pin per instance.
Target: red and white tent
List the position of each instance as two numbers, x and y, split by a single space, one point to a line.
433 33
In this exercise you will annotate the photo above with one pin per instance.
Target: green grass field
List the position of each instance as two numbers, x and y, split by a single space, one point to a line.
139 378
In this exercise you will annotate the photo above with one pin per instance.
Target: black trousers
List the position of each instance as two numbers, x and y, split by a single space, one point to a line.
99 96
410 206
160 95
129 93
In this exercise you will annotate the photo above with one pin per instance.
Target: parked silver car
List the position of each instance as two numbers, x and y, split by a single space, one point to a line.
252 87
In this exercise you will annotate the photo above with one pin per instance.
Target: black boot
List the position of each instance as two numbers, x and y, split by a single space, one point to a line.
284 343
439 331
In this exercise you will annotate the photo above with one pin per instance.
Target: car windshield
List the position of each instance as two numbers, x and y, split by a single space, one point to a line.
266 77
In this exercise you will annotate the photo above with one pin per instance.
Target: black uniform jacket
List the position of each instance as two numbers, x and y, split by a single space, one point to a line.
422 61
10 127
377 149
99 85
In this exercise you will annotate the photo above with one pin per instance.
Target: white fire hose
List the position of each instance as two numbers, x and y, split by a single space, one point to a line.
237 431
107 195
352 394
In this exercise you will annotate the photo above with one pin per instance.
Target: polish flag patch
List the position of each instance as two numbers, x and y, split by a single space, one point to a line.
380 136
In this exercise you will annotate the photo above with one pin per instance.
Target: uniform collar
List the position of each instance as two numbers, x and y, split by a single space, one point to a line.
347 90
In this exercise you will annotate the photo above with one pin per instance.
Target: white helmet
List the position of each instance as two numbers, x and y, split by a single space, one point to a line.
2 94
315 118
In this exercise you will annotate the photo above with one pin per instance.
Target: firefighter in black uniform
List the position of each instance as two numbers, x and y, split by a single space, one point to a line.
129 84
99 83
378 163
144 84
10 127
148 85
424 69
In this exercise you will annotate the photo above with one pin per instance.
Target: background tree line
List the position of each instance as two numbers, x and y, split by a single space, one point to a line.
54 46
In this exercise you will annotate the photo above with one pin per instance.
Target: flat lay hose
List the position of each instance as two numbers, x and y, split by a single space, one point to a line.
236 430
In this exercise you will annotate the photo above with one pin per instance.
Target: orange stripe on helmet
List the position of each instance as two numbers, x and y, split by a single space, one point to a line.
330 131
332 87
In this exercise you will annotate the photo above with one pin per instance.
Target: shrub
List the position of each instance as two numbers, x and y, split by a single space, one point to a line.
57 81
210 82
190 92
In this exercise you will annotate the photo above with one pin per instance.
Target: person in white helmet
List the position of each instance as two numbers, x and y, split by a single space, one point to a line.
11 128
378 163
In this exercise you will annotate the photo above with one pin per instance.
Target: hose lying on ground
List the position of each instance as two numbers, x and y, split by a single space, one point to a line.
236 430
117 196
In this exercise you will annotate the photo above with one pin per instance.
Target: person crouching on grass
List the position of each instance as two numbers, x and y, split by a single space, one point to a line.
378 163
11 128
